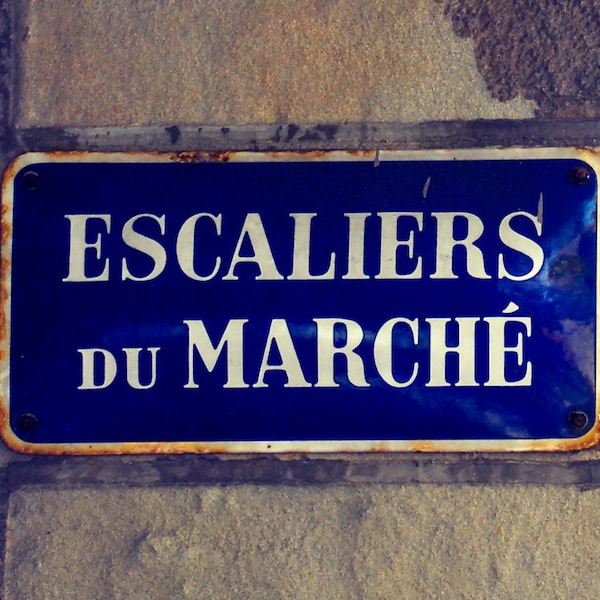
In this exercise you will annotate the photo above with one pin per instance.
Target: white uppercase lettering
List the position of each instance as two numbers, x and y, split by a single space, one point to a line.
390 243
279 335
383 351
396 346
263 256
446 243
146 245
465 349
108 367
498 351
78 247
232 337
526 246
186 246
133 367
356 246
327 350
301 255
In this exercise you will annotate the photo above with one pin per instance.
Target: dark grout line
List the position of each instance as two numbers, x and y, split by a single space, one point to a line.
306 137
189 470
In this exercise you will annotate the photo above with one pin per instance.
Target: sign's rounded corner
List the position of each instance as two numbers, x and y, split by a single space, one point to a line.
17 164
590 157
14 443
590 439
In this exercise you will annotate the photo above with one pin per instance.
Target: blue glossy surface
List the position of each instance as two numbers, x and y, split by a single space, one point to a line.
52 319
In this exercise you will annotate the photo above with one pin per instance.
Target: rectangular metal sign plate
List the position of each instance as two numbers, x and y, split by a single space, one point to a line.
305 302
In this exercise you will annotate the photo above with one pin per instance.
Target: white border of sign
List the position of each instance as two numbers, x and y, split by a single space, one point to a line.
591 438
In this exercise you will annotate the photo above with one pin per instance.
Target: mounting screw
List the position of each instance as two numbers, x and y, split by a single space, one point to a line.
27 423
580 175
31 180
578 419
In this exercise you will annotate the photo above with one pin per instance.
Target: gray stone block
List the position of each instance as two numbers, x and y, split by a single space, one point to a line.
256 542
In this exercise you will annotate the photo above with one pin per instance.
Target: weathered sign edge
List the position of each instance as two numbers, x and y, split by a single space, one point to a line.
590 439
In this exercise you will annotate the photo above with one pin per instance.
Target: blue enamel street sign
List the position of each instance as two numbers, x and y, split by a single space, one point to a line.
246 302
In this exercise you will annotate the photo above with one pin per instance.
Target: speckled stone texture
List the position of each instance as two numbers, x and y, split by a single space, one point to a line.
346 543
247 61
546 51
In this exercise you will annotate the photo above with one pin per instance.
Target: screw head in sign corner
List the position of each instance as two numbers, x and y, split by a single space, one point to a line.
27 423
579 175
578 419
30 179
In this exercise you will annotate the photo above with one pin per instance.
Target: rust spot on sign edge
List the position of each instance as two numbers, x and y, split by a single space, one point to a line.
192 156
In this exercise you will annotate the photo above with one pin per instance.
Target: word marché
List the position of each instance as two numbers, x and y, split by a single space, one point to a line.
99 366
395 246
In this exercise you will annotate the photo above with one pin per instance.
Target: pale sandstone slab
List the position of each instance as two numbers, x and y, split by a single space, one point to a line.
369 542
243 61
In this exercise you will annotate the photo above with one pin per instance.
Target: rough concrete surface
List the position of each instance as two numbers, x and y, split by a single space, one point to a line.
247 61
546 51
379 542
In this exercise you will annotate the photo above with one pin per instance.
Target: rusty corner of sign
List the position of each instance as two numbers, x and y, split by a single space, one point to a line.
585 442
8 437
592 437
583 150
591 156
